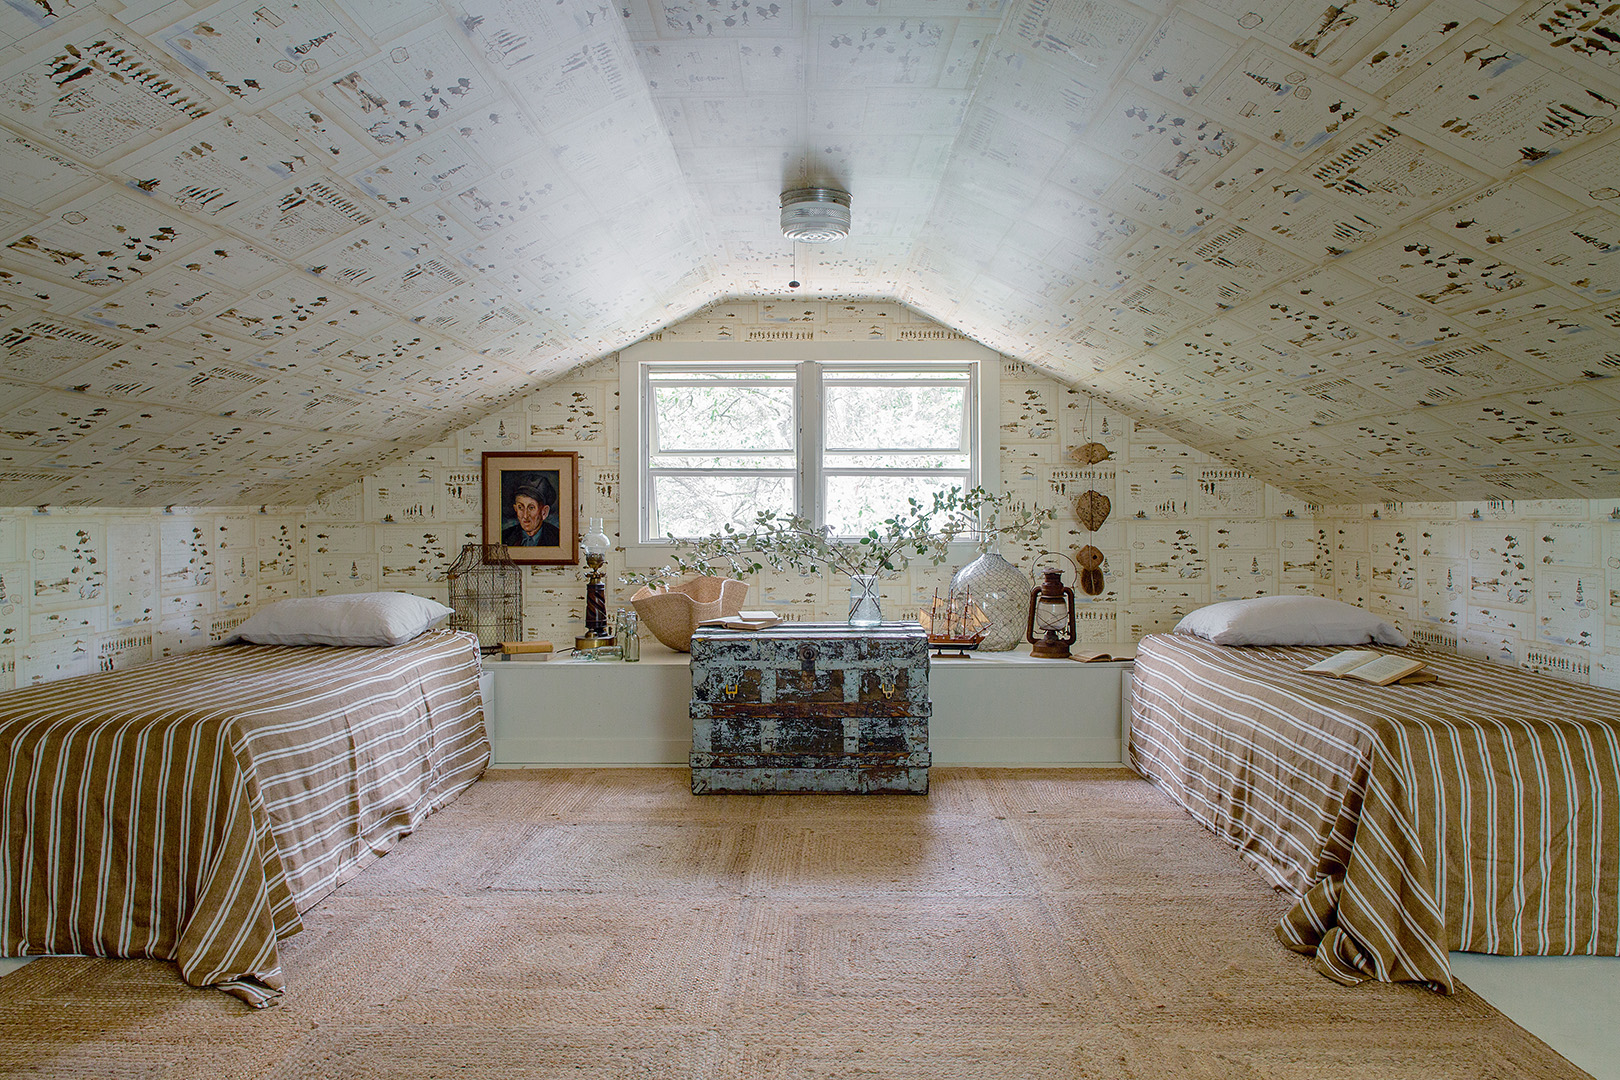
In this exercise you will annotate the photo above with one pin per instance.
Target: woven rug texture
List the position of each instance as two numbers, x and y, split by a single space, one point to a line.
606 924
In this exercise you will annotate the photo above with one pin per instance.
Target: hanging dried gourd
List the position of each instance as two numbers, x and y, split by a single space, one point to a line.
1091 510
1090 561
1091 453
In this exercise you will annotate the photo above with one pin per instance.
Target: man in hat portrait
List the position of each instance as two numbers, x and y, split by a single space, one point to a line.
530 499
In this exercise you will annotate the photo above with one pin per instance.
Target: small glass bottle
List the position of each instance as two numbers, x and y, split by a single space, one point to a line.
629 637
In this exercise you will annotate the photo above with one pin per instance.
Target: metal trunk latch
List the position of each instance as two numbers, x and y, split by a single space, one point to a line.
887 683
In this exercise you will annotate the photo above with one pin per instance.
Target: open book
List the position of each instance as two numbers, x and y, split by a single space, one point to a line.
1368 666
1097 657
745 620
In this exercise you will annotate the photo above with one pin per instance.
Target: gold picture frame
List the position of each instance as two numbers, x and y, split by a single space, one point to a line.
516 485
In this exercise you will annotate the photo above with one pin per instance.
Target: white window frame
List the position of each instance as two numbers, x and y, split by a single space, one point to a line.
642 551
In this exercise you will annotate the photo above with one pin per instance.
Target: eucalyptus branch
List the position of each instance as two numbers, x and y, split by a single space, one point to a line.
789 542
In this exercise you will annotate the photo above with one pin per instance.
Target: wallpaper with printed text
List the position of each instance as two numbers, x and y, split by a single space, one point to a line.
1530 583
1536 583
83 590
254 250
1184 528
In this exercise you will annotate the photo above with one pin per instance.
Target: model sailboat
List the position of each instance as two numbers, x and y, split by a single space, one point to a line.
954 622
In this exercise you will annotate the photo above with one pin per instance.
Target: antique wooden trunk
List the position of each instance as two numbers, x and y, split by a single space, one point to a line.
804 707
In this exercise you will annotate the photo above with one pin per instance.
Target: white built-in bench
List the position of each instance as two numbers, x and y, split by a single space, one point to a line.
1003 708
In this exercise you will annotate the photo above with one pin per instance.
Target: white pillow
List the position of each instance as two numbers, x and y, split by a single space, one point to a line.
1288 620
378 618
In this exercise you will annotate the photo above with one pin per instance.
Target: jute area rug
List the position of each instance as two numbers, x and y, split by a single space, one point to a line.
609 924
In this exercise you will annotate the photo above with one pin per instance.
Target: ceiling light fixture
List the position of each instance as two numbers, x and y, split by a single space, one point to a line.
815 215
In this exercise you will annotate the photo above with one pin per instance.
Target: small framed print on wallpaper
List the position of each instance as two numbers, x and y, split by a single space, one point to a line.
531 504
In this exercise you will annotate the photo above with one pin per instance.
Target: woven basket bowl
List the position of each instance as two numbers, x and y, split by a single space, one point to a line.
671 614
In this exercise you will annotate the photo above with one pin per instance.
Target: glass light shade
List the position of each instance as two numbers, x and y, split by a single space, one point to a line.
815 215
1052 616
595 541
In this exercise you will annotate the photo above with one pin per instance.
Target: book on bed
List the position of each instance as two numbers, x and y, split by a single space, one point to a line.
1365 665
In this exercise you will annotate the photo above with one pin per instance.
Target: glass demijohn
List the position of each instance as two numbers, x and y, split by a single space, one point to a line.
1002 592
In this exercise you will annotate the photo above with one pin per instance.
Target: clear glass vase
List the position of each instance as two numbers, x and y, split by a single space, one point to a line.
863 600
1002 591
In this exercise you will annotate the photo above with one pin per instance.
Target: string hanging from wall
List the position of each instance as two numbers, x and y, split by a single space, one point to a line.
1091 509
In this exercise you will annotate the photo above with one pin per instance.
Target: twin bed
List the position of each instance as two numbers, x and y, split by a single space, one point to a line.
190 809
1477 813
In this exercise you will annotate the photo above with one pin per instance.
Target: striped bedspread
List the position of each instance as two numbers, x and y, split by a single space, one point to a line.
1478 813
189 809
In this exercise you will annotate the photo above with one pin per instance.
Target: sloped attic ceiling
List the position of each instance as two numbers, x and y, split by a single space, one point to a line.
1363 249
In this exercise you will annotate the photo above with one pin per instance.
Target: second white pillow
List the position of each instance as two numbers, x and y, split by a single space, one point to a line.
1288 620
373 619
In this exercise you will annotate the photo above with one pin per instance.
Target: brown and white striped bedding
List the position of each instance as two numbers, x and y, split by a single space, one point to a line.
1478 813
189 809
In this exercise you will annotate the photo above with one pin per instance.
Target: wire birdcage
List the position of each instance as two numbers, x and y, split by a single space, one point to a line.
486 591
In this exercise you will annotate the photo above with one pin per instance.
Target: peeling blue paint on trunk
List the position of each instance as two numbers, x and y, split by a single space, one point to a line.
811 707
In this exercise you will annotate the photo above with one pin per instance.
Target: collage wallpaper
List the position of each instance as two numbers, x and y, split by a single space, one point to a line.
1184 528
87 590
1530 583
1366 249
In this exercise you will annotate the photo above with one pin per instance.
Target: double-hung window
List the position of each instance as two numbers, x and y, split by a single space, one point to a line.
842 433
720 442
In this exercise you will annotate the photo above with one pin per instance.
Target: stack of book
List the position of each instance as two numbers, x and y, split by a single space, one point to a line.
526 650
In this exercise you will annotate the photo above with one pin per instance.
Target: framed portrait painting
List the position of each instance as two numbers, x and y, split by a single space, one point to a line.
531 504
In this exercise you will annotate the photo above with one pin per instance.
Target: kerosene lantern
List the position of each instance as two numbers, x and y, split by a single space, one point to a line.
1051 617
595 545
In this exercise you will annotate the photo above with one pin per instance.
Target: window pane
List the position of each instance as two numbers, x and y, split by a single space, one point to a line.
723 462
699 505
856 504
748 374
912 462
723 442
898 417
721 417
862 373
